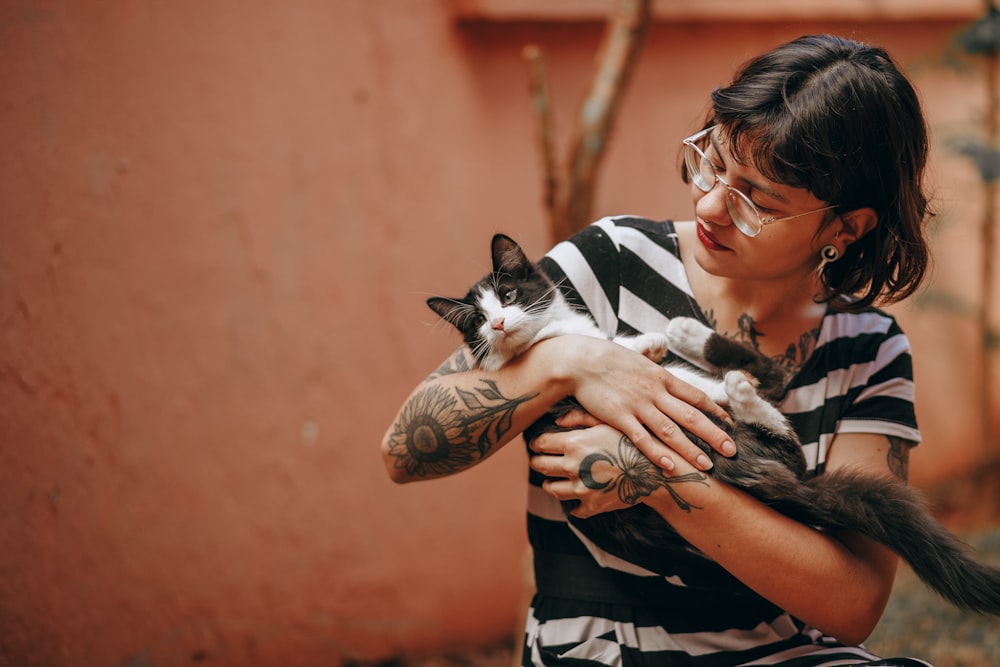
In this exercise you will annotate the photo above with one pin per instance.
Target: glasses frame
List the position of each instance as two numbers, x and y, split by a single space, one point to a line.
694 156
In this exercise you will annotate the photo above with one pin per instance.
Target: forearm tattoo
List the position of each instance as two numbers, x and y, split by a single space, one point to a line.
444 430
899 457
456 363
636 477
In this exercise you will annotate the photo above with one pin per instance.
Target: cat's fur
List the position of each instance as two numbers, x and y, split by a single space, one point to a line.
516 306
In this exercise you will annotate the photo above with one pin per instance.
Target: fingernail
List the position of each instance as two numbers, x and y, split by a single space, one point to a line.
666 463
703 462
728 448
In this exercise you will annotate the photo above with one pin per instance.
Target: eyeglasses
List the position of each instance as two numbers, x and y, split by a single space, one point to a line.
743 212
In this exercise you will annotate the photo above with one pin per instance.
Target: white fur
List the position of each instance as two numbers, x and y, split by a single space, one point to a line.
522 329
748 406
736 390
687 339
685 336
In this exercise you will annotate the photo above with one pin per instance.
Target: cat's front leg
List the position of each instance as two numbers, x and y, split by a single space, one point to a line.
651 345
747 405
687 338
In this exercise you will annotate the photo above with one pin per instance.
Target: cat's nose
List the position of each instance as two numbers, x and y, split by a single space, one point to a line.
497 324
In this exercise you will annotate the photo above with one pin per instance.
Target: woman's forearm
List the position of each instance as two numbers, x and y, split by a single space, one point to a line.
839 584
460 415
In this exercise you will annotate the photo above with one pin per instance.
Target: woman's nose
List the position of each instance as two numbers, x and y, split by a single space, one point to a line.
711 206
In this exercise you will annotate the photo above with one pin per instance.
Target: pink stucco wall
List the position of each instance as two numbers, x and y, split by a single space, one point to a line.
218 224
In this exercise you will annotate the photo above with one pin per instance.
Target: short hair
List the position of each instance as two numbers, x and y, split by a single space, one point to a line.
839 119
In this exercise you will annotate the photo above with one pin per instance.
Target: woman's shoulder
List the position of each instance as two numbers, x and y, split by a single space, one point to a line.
871 323
626 231
661 232
851 344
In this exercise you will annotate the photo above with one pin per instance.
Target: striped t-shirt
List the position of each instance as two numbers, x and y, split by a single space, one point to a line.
594 608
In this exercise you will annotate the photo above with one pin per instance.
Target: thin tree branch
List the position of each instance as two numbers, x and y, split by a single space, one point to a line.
539 88
616 61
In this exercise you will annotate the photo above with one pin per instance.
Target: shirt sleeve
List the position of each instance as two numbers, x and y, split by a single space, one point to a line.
880 386
587 269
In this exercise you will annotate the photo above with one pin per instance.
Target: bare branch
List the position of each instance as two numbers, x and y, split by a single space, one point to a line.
616 61
569 201
539 89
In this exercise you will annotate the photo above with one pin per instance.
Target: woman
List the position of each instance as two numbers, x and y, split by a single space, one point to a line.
809 209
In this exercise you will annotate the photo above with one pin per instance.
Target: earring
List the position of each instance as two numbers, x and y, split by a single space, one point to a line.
828 254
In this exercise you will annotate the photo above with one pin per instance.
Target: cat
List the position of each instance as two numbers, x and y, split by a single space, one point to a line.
517 305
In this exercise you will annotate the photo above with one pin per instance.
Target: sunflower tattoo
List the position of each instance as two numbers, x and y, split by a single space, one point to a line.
441 432
636 476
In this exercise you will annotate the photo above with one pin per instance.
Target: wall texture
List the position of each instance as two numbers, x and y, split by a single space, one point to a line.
218 224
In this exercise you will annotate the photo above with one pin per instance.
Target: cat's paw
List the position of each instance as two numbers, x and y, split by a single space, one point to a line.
687 337
741 388
747 405
651 345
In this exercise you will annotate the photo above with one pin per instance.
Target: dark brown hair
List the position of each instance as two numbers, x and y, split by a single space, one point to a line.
839 118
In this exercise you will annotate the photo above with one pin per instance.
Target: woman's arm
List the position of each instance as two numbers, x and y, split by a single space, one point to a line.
461 415
838 583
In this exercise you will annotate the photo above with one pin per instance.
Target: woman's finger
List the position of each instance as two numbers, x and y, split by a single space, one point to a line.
660 443
577 419
696 397
550 466
547 443
679 444
560 489
686 407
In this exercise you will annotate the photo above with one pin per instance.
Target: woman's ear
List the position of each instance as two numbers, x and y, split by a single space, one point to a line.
857 223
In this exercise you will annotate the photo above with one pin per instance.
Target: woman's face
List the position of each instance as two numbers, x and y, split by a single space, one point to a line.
782 249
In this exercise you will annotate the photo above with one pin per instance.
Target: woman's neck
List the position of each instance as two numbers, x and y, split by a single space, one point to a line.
778 317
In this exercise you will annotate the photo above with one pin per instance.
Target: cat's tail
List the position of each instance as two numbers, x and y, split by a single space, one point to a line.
897 516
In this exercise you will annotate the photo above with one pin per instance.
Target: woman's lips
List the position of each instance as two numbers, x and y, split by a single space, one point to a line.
708 240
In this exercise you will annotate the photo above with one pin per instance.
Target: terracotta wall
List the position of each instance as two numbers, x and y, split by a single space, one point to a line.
218 224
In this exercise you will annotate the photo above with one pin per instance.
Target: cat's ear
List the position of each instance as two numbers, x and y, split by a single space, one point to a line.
509 258
450 310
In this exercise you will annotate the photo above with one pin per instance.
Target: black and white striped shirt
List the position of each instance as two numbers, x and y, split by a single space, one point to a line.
601 610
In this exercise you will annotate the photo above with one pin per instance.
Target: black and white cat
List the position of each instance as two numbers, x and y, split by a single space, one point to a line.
516 305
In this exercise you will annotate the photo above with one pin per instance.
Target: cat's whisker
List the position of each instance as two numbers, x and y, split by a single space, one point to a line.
437 323
480 348
556 285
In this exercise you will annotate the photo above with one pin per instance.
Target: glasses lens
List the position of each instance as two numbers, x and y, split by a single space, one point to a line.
699 168
743 213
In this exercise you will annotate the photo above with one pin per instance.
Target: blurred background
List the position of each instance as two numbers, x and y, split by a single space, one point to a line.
219 221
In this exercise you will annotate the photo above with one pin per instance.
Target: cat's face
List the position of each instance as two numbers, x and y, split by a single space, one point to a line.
501 314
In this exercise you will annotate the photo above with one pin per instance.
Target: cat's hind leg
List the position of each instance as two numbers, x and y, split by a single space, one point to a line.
747 405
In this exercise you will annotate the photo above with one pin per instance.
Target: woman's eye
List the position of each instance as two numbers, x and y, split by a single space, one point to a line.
764 209
509 296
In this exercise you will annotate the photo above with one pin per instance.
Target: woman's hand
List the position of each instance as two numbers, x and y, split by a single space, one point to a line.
640 399
601 468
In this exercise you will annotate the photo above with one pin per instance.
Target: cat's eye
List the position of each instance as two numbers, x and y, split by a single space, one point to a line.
509 295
